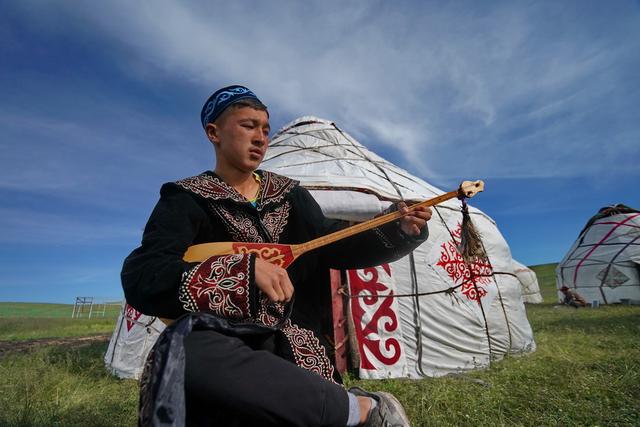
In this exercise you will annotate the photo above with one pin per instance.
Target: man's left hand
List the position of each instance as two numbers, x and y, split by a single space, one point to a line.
413 221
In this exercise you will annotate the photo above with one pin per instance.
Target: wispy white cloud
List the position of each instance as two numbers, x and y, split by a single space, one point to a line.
417 78
94 161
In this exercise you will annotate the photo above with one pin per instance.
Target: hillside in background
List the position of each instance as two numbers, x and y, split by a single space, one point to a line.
547 281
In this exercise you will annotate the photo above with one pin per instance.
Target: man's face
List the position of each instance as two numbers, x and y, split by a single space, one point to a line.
241 138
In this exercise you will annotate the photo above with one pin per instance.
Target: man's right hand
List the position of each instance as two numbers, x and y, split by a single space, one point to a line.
273 281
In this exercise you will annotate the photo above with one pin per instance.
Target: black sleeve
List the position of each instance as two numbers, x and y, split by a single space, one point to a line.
152 273
383 244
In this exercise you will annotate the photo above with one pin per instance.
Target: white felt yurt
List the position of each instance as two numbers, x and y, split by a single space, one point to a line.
133 337
445 315
528 283
604 262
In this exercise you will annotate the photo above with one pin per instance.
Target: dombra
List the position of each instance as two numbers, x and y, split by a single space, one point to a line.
284 255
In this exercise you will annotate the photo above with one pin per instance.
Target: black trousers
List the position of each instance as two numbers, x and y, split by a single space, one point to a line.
239 381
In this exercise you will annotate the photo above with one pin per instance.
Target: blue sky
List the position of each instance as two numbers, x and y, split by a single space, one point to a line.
100 105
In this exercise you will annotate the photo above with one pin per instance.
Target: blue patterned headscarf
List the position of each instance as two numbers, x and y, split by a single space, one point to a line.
221 99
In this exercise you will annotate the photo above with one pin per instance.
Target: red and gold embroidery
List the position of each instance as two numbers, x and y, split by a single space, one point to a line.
239 224
210 187
274 188
307 350
269 313
275 220
220 285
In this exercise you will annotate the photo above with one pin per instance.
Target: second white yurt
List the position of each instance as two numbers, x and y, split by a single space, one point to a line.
528 282
604 262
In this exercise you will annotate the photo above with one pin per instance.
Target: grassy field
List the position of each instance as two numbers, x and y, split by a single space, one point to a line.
586 371
547 280
54 311
64 386
22 321
14 329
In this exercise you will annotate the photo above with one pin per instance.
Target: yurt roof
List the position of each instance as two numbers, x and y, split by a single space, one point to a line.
609 211
321 156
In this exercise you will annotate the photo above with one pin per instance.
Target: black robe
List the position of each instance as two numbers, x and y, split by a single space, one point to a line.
203 209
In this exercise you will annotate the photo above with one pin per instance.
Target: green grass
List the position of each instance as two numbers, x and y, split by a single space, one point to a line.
59 311
62 386
547 280
22 321
25 328
586 371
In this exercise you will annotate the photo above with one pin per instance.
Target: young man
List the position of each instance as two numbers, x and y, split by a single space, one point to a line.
251 343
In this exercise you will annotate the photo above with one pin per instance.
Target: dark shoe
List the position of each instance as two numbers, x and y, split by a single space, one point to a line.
388 413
